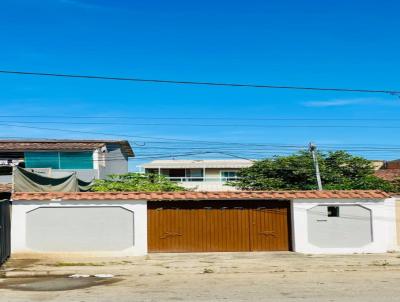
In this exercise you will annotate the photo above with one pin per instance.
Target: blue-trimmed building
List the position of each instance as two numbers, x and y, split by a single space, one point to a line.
89 158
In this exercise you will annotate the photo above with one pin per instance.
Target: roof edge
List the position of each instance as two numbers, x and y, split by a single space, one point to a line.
189 195
124 144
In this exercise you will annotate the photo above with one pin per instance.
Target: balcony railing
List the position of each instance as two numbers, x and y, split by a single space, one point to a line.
202 179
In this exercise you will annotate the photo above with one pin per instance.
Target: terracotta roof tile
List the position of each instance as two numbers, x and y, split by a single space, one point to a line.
153 196
54 145
388 174
5 187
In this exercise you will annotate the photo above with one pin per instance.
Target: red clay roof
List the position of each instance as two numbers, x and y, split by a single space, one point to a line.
388 174
154 196
393 164
5 188
53 145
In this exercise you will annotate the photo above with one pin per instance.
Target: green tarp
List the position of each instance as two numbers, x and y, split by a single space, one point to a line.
26 181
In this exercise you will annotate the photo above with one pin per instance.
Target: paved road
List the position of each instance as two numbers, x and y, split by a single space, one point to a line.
207 277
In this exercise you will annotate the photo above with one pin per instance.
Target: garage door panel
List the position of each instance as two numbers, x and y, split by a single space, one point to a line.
269 229
215 226
226 234
53 229
197 230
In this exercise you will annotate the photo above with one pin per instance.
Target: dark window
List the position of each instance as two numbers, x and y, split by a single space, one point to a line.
228 175
333 211
5 170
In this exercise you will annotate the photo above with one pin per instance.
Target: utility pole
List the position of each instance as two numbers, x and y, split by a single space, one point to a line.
312 148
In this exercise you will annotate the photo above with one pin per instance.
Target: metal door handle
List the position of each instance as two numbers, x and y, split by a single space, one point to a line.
267 233
169 234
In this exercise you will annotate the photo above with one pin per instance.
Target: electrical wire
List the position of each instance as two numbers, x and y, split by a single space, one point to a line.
207 83
206 125
162 139
199 118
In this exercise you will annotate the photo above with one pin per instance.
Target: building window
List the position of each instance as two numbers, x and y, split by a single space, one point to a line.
76 160
228 175
59 160
42 160
194 174
5 170
333 211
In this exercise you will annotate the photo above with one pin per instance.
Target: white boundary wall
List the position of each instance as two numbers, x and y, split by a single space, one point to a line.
382 211
139 208
383 225
397 205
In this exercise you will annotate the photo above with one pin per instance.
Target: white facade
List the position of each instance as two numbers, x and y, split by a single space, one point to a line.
110 161
397 205
56 230
199 175
207 186
382 225
20 243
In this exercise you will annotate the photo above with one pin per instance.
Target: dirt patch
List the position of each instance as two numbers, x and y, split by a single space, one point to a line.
61 264
58 283
239 277
19 263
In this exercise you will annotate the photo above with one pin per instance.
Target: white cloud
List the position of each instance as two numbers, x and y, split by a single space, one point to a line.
349 102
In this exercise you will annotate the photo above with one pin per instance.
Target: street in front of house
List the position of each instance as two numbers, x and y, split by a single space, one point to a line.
203 277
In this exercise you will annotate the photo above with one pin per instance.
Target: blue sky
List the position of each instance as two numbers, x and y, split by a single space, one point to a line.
349 44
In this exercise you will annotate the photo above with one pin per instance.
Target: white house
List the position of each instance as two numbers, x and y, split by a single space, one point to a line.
137 223
89 158
200 175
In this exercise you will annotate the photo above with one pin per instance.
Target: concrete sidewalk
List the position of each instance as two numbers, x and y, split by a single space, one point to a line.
206 277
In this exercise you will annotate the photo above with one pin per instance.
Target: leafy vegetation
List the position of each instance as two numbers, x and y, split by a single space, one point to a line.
135 182
339 171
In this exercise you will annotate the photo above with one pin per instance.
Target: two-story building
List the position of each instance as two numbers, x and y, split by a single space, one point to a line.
200 175
88 158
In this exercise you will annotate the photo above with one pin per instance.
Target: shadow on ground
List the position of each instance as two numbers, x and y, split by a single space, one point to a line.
54 283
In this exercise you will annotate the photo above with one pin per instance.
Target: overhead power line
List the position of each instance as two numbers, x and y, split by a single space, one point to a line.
232 145
213 144
205 125
104 133
191 118
198 83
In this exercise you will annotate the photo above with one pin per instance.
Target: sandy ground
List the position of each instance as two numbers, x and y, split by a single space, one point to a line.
206 277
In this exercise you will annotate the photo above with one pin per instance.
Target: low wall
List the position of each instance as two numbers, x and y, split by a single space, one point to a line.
308 237
23 240
397 201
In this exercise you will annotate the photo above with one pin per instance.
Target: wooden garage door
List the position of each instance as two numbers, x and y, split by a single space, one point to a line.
215 226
